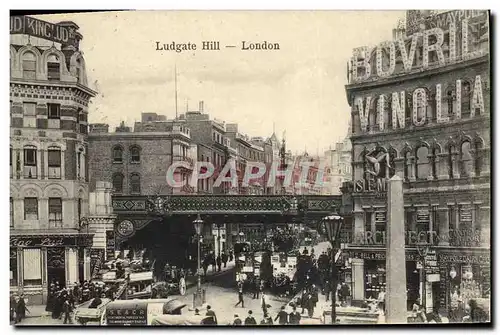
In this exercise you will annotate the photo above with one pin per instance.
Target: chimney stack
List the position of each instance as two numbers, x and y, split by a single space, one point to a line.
201 107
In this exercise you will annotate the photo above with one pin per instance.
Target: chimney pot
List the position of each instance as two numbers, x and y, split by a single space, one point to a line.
201 107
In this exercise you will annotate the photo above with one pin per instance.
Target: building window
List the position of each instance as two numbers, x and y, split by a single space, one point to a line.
135 183
32 267
434 172
29 65
30 162
466 160
55 212
53 68
78 164
117 154
135 155
54 111
368 221
466 92
29 115
10 161
30 208
82 121
478 146
54 162
451 152
407 165
422 163
79 208
118 182
11 212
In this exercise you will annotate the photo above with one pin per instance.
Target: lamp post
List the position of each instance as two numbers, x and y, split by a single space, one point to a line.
423 250
198 225
332 225
218 238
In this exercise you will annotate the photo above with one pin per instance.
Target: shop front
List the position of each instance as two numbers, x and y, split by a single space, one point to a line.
37 260
368 273
465 275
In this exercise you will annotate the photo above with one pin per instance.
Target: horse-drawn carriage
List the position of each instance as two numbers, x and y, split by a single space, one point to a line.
174 283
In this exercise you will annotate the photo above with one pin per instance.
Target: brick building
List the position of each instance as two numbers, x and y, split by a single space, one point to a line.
426 120
136 162
49 98
337 167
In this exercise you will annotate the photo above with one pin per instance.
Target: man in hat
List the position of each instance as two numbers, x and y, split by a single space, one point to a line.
211 313
282 316
295 316
237 321
240 295
250 320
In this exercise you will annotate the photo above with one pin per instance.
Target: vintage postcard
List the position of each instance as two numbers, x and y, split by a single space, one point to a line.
250 168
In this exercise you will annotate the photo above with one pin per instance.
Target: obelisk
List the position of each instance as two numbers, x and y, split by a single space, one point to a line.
395 297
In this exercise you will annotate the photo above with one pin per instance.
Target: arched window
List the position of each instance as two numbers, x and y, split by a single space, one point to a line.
478 163
422 163
117 154
30 162
118 182
54 162
466 160
53 68
407 165
135 154
434 152
135 183
448 111
451 151
466 95
29 65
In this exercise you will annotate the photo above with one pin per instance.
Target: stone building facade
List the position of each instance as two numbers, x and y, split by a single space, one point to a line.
427 121
49 98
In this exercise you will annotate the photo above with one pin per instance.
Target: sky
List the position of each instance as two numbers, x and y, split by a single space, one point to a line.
299 89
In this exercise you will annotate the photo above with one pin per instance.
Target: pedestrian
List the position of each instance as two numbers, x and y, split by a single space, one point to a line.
327 289
344 293
263 303
196 311
67 311
12 307
212 261
250 320
205 267
231 255
381 299
224 259
294 317
219 263
314 294
211 313
310 305
255 289
240 295
20 309
477 314
237 321
282 316
303 301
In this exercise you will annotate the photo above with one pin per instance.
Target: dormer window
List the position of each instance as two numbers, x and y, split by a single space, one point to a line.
53 68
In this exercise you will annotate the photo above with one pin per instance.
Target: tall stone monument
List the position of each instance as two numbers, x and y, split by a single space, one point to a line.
395 297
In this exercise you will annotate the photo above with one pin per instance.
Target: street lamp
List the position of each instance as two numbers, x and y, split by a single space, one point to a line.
218 238
198 225
332 225
423 250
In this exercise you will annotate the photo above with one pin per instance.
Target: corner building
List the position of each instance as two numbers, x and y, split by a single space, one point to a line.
49 98
427 120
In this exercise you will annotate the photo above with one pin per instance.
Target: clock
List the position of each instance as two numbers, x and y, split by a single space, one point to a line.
126 228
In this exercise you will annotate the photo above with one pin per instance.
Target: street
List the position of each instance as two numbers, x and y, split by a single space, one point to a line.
221 295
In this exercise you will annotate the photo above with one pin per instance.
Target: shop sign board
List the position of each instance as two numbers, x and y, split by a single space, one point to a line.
110 244
378 255
464 259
